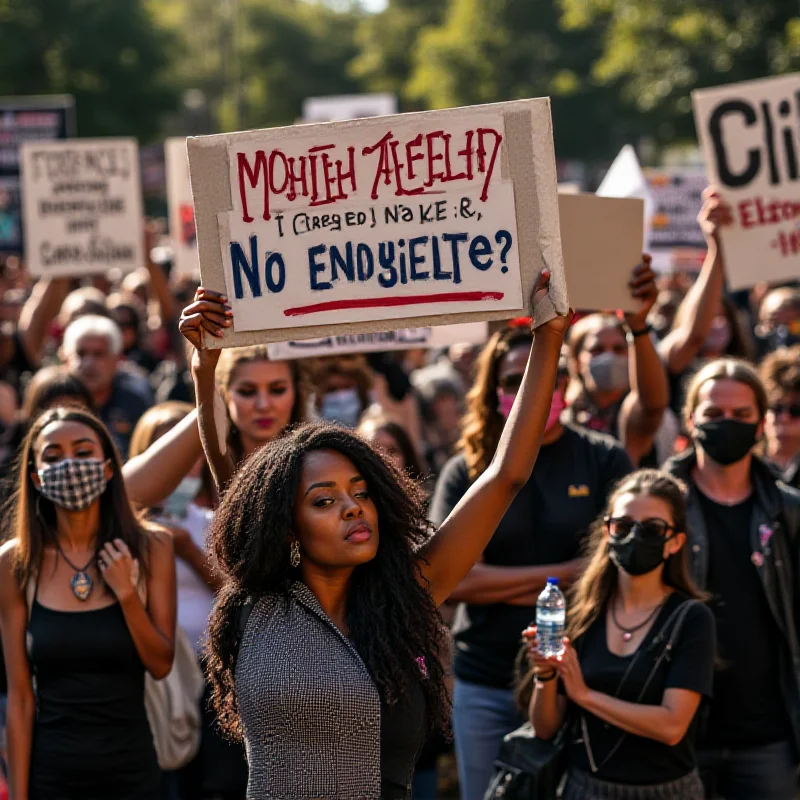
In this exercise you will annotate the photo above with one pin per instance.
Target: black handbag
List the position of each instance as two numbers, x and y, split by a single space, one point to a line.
528 768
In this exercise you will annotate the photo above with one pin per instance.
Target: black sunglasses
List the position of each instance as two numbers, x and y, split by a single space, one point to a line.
793 409
510 383
622 527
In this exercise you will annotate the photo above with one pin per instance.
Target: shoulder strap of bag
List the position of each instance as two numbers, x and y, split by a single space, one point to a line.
673 624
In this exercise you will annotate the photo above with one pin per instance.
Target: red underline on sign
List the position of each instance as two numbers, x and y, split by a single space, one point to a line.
391 302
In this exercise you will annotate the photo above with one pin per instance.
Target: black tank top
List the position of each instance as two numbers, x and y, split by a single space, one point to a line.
91 737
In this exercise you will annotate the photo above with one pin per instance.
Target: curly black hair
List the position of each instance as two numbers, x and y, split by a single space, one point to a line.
391 614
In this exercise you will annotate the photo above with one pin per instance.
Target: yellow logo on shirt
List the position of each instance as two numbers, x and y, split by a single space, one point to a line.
579 491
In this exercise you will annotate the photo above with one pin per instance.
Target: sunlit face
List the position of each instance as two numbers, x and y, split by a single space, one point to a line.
644 508
724 398
334 519
66 439
93 361
260 399
782 423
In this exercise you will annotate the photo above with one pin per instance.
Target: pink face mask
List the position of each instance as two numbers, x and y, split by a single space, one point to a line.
557 405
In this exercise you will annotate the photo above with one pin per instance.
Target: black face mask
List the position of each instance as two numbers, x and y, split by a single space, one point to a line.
636 555
726 441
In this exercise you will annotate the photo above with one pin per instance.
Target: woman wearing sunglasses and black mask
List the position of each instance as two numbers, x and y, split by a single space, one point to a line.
639 656
539 536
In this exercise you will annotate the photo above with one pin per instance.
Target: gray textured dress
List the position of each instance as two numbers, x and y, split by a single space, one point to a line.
310 712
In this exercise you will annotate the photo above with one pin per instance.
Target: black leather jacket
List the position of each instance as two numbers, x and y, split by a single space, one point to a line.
775 533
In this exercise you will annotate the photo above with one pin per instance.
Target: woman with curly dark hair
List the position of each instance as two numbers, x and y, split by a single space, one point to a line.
332 677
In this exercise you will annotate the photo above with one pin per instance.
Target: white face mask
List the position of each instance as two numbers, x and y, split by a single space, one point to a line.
178 502
342 406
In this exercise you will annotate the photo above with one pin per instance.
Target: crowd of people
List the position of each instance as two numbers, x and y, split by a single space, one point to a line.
226 576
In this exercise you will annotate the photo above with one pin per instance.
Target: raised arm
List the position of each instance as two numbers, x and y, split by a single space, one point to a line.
702 302
643 408
21 705
39 311
206 316
463 536
155 474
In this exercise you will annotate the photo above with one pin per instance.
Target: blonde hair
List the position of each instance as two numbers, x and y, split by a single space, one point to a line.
154 423
733 369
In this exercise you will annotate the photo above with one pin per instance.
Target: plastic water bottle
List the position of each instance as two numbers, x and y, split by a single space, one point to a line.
551 614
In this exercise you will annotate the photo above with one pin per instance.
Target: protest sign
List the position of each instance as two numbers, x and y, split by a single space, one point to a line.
348 106
180 208
23 119
369 225
601 241
750 134
674 238
400 339
82 206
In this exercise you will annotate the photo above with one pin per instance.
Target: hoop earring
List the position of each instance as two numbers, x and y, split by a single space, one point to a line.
294 553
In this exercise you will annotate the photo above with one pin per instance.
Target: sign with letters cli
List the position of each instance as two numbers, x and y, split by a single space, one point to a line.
388 220
750 133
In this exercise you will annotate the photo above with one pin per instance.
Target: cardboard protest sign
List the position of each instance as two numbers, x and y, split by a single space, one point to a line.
348 106
37 119
750 134
400 339
601 241
181 209
83 206
369 225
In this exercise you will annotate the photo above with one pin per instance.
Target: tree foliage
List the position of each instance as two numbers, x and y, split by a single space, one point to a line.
657 51
109 55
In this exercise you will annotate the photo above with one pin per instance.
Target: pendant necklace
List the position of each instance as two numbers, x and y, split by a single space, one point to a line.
627 633
81 583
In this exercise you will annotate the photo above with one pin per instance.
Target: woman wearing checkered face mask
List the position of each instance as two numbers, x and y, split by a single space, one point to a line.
87 604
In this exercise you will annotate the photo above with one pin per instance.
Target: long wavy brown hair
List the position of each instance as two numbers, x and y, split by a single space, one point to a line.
483 422
35 517
590 596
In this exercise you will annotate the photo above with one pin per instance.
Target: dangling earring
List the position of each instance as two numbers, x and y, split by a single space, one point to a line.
294 553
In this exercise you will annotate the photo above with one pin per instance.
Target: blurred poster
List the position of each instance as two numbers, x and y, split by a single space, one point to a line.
26 119
348 106
181 208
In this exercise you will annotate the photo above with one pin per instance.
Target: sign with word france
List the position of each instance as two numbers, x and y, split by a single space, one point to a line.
750 133
390 222
82 205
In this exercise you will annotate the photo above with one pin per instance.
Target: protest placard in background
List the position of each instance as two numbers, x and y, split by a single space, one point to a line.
348 106
750 134
26 119
82 205
390 222
674 238
400 339
601 241
180 208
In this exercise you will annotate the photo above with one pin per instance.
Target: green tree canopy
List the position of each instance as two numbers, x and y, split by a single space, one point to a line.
657 51
108 54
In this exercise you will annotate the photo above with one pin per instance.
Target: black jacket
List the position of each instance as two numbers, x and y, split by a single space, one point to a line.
775 533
